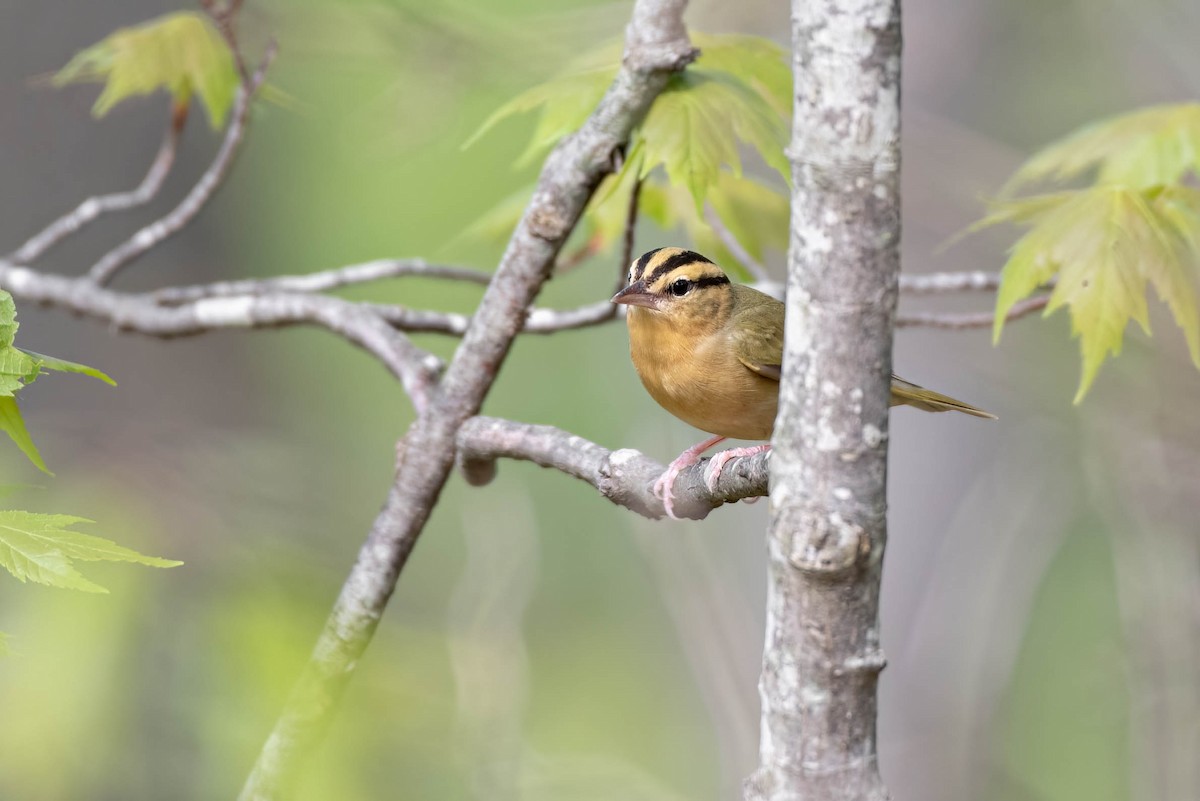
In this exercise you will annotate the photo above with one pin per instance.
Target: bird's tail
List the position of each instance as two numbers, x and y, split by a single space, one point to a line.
905 393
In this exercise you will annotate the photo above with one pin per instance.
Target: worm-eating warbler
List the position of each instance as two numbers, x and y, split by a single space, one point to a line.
709 351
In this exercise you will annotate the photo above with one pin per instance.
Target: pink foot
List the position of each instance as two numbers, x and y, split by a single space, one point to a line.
662 487
717 464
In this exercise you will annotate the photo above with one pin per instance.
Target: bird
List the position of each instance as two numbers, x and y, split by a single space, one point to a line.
710 351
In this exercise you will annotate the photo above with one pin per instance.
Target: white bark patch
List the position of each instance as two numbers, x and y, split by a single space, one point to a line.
871 435
19 278
624 456
225 311
827 438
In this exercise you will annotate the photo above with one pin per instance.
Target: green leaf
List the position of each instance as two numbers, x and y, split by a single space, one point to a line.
738 91
757 62
19 368
1145 148
12 424
181 53
8 319
64 366
42 548
1104 244
5 649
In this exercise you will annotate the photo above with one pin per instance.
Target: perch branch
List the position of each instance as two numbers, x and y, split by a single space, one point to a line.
151 235
93 207
624 476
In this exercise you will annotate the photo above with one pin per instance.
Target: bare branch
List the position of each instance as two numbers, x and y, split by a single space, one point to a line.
624 476
417 370
731 243
93 207
965 320
378 270
933 283
151 235
656 47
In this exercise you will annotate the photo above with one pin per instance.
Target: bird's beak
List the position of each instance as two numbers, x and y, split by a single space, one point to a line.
636 295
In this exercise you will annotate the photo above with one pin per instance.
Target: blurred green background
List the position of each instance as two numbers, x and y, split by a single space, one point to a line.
1041 609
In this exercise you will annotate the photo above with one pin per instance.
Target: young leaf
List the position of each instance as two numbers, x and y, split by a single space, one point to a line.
739 90
1104 244
13 424
42 548
181 53
63 366
17 369
5 649
1150 147
755 61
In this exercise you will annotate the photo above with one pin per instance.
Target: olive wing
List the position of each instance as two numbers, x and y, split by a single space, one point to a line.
757 323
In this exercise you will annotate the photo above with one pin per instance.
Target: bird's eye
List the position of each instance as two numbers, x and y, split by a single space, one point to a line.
680 287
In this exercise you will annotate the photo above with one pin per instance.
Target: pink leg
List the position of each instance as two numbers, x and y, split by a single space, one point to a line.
662 487
717 463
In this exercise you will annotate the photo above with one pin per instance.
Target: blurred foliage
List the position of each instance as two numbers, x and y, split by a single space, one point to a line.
1139 223
181 53
1065 727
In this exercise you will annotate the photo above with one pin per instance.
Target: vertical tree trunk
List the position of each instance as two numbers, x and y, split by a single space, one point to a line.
829 469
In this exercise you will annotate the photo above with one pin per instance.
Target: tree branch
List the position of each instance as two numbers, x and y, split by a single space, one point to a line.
656 47
323 281
821 660
964 320
151 235
934 283
93 207
417 369
624 476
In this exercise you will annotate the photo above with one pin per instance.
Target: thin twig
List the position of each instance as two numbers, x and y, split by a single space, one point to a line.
151 235
225 16
731 243
417 369
965 320
325 280
627 242
93 207
624 477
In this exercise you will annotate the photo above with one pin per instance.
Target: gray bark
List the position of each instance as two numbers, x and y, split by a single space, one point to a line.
822 658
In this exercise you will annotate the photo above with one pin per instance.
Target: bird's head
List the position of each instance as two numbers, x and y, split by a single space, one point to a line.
677 285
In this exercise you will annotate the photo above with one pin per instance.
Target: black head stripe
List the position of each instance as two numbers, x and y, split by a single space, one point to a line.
640 268
675 261
712 280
